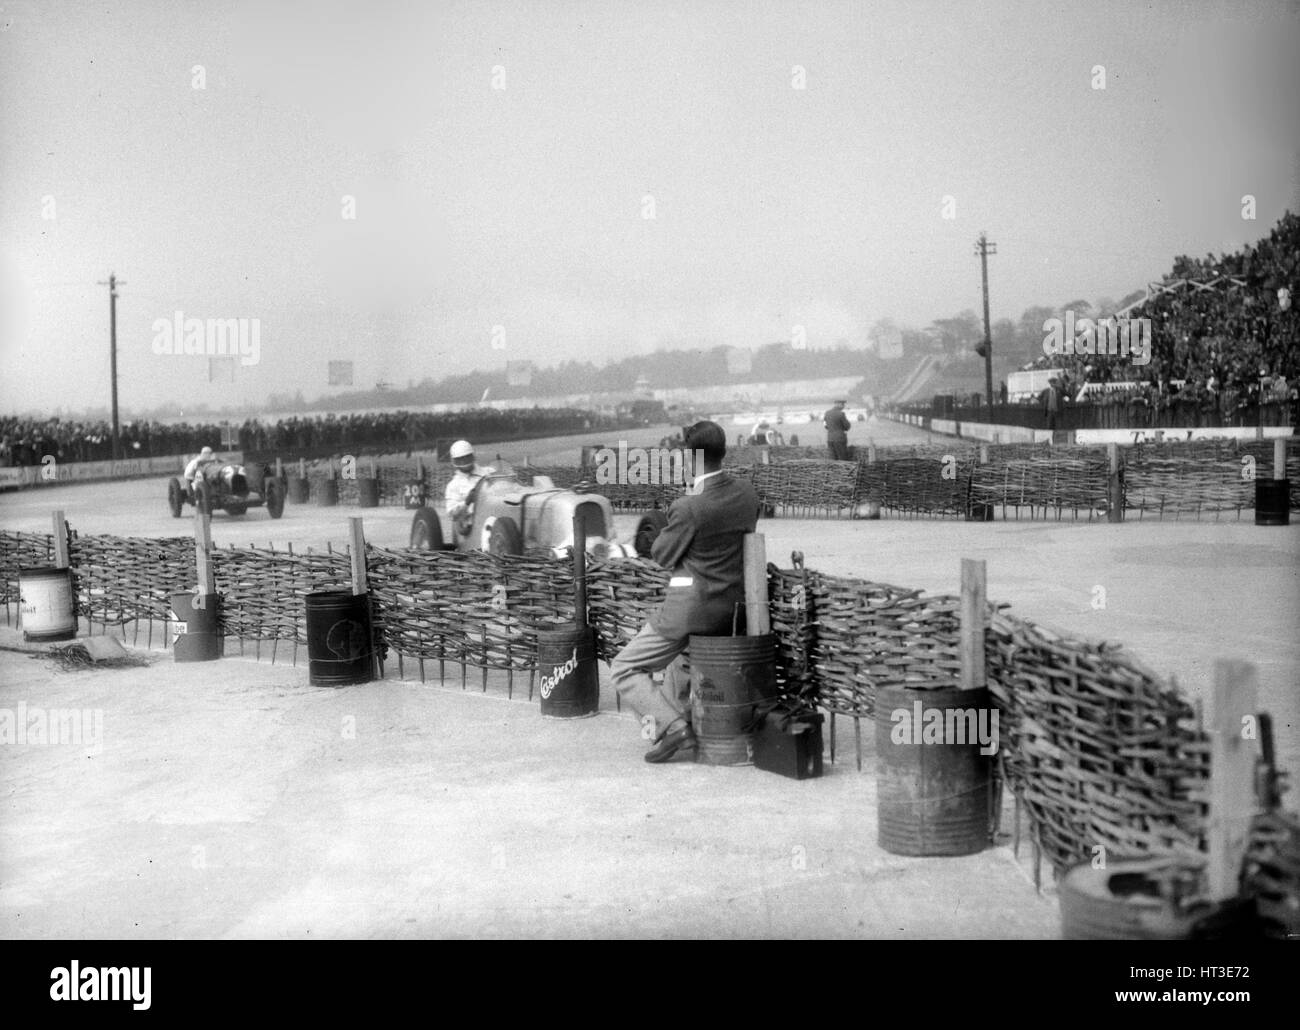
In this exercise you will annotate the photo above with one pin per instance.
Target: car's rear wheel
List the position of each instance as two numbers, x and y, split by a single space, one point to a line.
175 497
504 538
274 491
647 530
426 530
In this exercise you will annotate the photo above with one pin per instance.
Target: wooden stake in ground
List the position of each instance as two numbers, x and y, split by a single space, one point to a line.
357 534
61 557
1114 492
579 568
1233 752
361 585
203 554
1279 458
757 619
974 611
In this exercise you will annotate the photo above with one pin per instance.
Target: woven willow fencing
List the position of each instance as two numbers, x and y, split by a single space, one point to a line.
1194 479
1098 749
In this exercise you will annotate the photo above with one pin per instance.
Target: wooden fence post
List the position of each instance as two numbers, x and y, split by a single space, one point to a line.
360 583
203 553
1232 774
757 618
61 558
1279 458
974 607
1114 490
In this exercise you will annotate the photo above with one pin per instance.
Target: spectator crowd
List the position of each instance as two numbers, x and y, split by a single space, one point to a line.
25 441
1219 353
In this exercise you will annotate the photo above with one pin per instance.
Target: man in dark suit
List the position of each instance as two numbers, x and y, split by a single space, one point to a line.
837 432
703 547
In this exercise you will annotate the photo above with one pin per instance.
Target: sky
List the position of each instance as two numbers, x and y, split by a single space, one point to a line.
552 180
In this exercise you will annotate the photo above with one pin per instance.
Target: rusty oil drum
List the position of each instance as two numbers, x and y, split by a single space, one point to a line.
729 676
367 493
196 627
932 798
1272 502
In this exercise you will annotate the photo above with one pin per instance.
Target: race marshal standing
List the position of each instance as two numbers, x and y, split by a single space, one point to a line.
837 431
703 547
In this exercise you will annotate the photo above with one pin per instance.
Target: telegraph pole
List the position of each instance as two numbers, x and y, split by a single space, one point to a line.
983 248
112 355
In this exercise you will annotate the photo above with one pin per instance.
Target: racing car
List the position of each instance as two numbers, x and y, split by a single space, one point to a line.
229 487
508 517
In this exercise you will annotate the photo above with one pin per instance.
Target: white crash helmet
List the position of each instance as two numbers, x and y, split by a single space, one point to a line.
206 452
462 453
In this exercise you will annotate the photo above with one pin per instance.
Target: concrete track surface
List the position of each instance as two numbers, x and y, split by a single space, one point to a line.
233 799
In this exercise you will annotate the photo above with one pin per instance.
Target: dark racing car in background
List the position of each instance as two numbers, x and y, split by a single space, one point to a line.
232 488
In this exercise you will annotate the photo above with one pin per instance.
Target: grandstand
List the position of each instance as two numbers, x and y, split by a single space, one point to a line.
1225 335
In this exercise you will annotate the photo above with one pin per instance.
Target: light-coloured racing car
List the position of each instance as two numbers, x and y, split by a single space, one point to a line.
509 517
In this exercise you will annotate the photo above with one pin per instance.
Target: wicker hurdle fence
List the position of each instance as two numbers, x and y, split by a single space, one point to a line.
1097 749
1195 479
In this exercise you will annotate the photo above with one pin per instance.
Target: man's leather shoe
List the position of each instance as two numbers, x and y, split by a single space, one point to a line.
670 743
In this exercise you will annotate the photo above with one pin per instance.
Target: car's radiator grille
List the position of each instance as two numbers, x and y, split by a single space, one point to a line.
593 518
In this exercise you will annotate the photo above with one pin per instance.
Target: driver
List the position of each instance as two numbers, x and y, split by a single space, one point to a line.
462 483
763 433
194 471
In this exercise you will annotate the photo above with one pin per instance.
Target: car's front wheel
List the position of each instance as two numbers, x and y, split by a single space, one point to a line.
274 491
426 530
648 529
504 538
175 497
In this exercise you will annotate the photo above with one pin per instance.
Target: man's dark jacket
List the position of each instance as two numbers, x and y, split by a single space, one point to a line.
837 425
704 540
